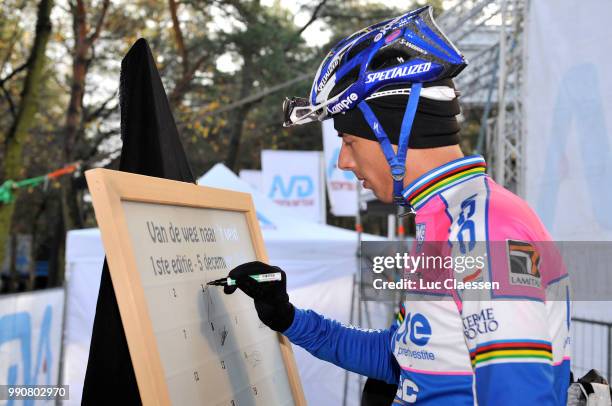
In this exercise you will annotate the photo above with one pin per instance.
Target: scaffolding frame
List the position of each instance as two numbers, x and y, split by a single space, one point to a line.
492 34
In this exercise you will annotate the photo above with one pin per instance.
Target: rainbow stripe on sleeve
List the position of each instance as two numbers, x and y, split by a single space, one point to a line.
533 350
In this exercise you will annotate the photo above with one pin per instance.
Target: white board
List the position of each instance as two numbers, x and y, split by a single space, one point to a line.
189 342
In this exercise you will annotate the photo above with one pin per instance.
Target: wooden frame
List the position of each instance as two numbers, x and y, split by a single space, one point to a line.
108 189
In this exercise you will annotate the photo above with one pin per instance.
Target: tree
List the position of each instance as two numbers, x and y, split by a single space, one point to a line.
85 38
267 49
26 114
222 114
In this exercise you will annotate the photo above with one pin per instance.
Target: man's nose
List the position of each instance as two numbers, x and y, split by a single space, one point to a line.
345 161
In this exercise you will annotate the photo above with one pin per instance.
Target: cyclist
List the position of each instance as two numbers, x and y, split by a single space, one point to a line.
389 91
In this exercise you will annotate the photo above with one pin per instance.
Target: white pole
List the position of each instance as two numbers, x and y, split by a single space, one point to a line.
500 148
322 189
522 170
391 222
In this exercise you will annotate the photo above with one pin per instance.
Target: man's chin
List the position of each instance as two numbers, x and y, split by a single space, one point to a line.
383 197
386 199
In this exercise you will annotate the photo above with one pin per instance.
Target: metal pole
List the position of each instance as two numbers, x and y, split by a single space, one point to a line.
522 169
322 189
391 226
485 115
359 228
346 372
500 154
62 353
355 293
609 357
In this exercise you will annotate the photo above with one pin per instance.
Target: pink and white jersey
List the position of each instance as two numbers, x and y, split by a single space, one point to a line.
506 345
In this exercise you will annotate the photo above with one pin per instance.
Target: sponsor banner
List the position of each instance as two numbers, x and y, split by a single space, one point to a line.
253 178
568 118
293 179
341 185
30 338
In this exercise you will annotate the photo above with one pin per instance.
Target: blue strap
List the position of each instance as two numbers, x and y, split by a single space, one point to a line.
413 102
404 138
380 133
397 163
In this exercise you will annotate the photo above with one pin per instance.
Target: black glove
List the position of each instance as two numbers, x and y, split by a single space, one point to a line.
271 298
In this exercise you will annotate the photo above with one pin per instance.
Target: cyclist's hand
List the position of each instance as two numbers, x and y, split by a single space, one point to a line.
271 298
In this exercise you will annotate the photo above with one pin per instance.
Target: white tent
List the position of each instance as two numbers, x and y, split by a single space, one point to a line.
320 262
312 252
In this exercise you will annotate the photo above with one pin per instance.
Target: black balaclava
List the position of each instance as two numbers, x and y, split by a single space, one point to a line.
435 122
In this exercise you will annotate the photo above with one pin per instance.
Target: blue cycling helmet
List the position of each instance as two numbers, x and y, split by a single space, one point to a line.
406 50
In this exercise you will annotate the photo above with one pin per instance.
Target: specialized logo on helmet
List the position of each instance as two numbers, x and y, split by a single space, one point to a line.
398 72
344 104
332 66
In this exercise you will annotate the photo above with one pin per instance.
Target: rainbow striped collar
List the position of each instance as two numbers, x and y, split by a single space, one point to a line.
442 178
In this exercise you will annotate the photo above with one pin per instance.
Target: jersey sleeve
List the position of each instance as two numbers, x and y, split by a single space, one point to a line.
517 336
366 352
510 351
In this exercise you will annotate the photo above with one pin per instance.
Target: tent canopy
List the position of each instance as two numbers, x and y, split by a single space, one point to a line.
277 222
310 252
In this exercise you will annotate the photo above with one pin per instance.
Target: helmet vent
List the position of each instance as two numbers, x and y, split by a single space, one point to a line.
347 80
356 49
392 55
